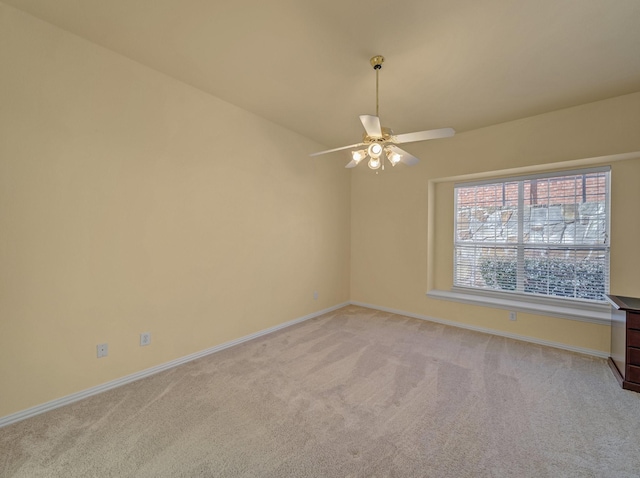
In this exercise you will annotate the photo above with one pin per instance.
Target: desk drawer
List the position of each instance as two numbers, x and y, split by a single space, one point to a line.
633 338
633 320
633 357
633 374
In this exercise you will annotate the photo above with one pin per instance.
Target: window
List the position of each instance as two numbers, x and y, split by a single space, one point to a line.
537 236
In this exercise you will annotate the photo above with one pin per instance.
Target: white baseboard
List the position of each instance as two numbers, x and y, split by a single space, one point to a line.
524 338
74 397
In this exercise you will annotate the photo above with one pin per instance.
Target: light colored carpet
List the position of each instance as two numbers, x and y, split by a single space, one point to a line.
354 393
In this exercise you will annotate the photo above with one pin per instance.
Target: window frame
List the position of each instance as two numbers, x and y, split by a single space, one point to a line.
519 299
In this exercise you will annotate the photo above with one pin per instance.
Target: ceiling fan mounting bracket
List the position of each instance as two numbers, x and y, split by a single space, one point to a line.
377 61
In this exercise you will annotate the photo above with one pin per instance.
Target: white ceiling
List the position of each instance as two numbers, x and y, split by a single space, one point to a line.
305 64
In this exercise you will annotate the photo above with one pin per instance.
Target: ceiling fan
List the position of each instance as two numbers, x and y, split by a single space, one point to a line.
379 139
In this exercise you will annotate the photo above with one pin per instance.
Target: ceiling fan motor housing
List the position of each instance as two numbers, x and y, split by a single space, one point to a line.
387 136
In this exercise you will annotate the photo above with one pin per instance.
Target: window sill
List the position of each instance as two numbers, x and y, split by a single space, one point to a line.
597 314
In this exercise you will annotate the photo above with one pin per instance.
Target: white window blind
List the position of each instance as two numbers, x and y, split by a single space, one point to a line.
543 235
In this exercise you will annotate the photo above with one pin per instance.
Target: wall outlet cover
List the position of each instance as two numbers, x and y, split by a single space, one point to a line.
145 338
103 350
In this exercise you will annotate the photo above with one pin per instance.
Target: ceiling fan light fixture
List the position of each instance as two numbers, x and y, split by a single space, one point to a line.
393 157
374 163
358 155
374 150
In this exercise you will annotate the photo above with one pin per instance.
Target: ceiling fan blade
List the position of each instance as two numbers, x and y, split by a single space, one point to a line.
371 125
352 164
424 135
337 149
405 157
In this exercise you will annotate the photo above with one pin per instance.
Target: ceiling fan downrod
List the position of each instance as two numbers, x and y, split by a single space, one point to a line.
376 63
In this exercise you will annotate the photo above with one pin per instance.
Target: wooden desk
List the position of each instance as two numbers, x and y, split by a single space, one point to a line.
625 341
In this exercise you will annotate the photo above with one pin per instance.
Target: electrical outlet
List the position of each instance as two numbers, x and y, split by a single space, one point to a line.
145 338
513 315
315 295
103 350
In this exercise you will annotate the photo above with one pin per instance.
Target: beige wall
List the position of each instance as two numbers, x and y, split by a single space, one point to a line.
394 253
131 203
